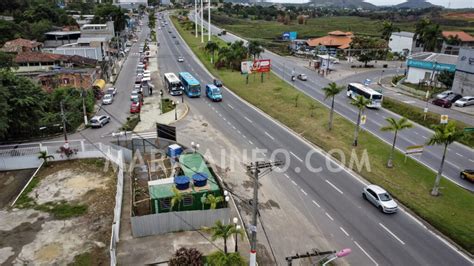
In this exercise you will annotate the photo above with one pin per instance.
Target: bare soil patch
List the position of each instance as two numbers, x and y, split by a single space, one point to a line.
11 183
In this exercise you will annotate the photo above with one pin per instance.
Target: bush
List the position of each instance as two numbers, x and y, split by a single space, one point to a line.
396 79
186 256
131 123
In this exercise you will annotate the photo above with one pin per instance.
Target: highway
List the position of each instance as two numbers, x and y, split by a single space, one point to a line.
330 200
458 158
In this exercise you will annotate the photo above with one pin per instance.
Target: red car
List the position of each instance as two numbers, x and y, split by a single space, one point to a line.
135 107
447 101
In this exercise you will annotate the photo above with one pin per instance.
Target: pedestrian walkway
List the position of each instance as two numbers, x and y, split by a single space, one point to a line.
151 114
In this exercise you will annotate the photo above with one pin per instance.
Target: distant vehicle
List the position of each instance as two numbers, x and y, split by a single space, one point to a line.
218 83
447 101
356 89
465 101
108 99
213 92
223 32
192 87
302 77
173 84
219 34
176 42
180 59
135 107
380 198
159 28
467 174
444 94
135 95
99 121
138 83
169 31
173 36
111 90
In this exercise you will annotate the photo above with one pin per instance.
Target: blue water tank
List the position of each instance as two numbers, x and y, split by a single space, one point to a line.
182 182
200 179
174 150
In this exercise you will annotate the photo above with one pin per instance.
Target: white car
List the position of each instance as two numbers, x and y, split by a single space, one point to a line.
134 95
180 59
380 198
444 94
302 77
112 91
108 99
465 101
99 121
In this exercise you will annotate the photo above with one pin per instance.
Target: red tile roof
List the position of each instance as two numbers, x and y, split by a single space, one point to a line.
39 57
464 37
337 39
19 44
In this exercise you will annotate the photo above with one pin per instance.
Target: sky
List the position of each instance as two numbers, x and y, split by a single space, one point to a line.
445 3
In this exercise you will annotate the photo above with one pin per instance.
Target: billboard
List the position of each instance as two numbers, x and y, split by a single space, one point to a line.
246 67
261 65
289 35
431 65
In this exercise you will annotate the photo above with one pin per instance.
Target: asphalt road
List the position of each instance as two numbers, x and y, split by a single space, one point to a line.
332 200
458 158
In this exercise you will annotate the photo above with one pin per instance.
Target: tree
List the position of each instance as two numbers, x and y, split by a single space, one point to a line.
453 40
444 134
361 103
446 78
255 48
370 48
186 256
429 34
387 29
43 155
220 230
4 111
213 200
220 258
177 198
395 125
6 60
109 12
211 47
330 92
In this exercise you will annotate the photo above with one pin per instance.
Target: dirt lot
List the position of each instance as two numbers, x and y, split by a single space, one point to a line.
63 217
11 183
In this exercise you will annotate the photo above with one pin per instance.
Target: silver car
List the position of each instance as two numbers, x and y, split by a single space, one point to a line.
465 101
380 198
99 121
108 99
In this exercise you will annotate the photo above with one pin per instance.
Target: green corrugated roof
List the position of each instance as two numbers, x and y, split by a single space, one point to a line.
190 164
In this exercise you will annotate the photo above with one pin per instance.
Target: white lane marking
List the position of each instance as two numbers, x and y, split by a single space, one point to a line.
250 142
344 231
409 102
384 116
391 233
294 183
304 192
367 254
336 188
471 160
424 137
287 176
238 131
229 123
225 119
329 216
299 159
213 108
246 118
231 107
459 154
315 203
234 127
415 132
244 136
270 136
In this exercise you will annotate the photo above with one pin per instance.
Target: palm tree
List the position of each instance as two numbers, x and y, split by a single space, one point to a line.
43 155
255 48
220 230
387 29
445 134
211 47
220 258
177 198
331 91
213 200
395 125
361 103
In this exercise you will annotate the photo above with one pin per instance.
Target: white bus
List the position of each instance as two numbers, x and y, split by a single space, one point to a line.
356 89
173 84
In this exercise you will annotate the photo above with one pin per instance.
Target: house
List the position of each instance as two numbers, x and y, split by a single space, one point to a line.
335 40
21 46
130 4
464 76
454 40
32 63
424 67
59 38
403 43
78 78
84 51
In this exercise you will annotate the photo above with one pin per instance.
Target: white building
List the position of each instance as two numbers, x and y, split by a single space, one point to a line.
130 4
402 42
464 77
424 67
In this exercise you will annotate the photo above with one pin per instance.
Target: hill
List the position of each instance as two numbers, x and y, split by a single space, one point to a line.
415 4
343 3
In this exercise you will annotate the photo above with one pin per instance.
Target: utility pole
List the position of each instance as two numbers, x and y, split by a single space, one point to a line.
195 17
83 94
209 21
202 21
63 116
254 168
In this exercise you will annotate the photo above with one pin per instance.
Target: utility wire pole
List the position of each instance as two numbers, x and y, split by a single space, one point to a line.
195 17
254 168
209 21
63 118
202 21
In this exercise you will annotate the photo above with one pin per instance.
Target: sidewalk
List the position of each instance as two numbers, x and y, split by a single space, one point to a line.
464 114
151 114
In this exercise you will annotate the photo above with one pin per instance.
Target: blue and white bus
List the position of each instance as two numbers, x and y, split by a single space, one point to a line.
192 88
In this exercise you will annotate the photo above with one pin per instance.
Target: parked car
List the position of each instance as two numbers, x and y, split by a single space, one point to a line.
135 107
180 59
135 95
467 174
213 93
99 121
380 198
112 91
108 99
218 83
465 101
302 77
447 101
444 94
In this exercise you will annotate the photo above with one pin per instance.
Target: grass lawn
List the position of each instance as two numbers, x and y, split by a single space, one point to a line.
452 213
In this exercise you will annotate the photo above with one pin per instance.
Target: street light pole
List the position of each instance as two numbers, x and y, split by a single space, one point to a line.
236 220
63 117
209 21
202 21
